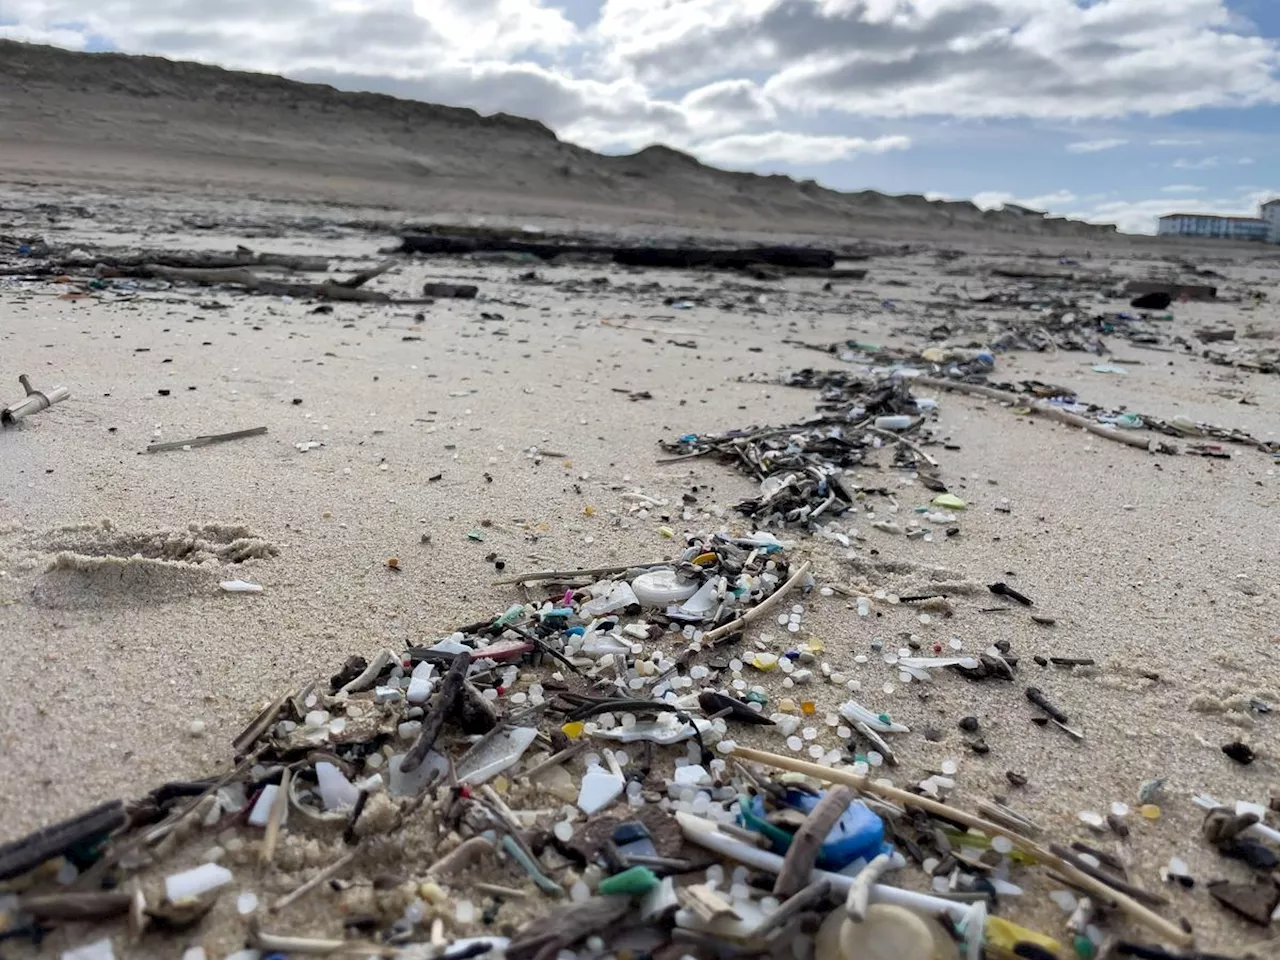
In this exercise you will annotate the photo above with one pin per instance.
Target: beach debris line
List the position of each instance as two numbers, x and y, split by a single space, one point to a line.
567 774
33 402
803 469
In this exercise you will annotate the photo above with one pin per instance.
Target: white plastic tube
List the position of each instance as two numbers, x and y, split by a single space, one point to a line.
704 834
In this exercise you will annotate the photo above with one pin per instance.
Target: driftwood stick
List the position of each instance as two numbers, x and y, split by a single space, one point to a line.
205 440
1117 884
77 906
569 574
798 903
250 281
759 610
802 854
1043 409
1141 914
20 856
364 276
441 709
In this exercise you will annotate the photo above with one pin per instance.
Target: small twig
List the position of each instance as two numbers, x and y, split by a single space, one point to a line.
279 806
568 753
1036 696
501 891
910 445
327 873
260 725
590 572
461 856
759 610
275 943
204 441
810 896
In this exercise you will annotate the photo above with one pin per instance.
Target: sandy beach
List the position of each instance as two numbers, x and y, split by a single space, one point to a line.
397 432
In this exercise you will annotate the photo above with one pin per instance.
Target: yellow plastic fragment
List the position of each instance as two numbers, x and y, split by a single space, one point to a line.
573 729
764 661
667 532
808 707
787 705
1150 811
950 501
1003 937
705 559
588 511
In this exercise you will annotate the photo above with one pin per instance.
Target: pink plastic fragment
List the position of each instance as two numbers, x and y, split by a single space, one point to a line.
503 650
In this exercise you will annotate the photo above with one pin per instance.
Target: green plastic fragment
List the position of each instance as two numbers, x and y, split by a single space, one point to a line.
511 616
886 719
476 535
1084 947
755 696
950 501
635 882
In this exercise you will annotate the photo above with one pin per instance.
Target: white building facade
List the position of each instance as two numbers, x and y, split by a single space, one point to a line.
1264 228
1270 212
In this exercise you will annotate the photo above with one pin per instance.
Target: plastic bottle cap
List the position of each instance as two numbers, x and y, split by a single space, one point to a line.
888 933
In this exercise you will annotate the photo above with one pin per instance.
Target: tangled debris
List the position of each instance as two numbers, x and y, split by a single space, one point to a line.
803 468
579 750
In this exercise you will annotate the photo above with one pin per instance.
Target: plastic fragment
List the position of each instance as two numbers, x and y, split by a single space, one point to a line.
636 882
240 586
192 884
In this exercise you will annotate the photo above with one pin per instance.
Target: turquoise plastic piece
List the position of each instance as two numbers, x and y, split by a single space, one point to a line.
858 834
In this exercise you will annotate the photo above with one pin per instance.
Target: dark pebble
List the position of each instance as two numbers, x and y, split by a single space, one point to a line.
933 734
969 724
1239 752
979 747
1016 779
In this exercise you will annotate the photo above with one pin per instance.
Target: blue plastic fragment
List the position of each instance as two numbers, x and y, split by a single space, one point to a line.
858 834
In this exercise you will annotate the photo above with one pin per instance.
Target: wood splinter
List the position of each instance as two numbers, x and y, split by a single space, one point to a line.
801 856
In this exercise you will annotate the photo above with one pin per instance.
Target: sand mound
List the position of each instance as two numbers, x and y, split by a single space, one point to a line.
157 122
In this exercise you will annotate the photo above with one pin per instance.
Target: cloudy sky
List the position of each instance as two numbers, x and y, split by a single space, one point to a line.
1113 110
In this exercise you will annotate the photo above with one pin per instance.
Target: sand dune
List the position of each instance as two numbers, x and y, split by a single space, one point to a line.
148 120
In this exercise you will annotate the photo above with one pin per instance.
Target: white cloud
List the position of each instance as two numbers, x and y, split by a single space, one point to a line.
995 199
1175 142
1245 161
1182 188
1204 163
750 149
1094 146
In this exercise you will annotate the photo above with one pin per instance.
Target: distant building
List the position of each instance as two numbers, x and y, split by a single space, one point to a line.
1264 228
1270 212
